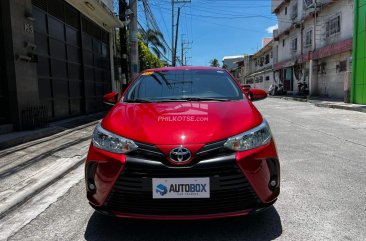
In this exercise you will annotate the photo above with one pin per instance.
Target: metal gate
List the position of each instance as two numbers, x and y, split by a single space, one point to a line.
97 74
4 104
69 79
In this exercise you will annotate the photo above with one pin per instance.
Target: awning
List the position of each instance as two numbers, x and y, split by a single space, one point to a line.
97 11
261 72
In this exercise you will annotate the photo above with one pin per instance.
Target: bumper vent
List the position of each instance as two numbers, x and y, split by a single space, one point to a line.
230 191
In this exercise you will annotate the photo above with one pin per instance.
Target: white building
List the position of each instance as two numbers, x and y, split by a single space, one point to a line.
230 61
261 74
314 43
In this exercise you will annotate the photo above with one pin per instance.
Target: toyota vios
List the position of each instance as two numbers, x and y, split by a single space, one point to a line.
182 143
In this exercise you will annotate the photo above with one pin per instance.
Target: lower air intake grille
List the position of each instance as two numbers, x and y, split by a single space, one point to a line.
230 191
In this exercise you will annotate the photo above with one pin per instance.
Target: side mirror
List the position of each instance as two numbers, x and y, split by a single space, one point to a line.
110 98
257 94
246 88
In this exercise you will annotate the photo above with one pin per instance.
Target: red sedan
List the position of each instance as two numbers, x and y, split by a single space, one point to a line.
182 143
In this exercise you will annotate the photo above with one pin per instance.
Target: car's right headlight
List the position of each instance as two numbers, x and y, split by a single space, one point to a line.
111 142
256 137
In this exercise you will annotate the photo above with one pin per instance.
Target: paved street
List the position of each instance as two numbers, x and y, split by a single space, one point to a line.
322 153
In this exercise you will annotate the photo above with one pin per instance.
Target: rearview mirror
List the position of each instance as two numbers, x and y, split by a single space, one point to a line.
110 98
257 94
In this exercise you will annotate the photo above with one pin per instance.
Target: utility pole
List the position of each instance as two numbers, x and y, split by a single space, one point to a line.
182 55
134 51
313 76
173 25
176 40
123 43
173 19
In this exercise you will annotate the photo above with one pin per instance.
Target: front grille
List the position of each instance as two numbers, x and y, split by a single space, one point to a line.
152 153
230 191
212 150
147 152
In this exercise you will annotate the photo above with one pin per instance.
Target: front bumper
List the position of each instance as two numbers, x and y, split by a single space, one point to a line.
239 185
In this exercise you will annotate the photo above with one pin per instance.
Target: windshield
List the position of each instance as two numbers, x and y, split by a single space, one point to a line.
184 85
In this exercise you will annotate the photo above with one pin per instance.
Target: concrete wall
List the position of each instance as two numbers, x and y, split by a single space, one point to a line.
264 83
109 4
285 19
343 8
331 83
21 74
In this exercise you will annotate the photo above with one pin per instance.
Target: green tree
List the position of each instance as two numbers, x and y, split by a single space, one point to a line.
214 63
146 58
156 39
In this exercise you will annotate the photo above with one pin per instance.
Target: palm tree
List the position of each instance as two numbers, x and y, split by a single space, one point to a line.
156 38
214 63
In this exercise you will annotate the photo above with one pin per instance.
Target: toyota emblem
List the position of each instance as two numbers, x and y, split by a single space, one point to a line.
180 154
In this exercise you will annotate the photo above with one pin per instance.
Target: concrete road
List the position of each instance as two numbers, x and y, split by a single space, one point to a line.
323 156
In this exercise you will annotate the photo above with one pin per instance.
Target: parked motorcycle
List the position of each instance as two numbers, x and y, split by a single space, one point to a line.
277 89
303 88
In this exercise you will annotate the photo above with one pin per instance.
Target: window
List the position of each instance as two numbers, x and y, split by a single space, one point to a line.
309 38
333 26
294 11
309 3
267 59
283 43
285 10
294 45
342 66
267 78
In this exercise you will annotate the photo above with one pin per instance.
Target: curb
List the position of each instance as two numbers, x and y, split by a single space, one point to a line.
24 195
360 108
44 139
52 131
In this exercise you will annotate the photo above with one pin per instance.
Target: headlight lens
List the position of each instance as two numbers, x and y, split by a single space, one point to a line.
108 141
259 136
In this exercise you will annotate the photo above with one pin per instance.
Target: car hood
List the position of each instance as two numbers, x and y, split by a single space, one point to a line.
178 123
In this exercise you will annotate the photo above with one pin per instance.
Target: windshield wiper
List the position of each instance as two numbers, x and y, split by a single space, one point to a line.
172 100
138 101
186 99
204 99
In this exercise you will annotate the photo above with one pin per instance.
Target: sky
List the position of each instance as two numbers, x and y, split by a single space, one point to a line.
215 28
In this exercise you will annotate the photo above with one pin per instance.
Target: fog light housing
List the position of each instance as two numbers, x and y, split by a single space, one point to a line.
273 183
91 186
274 180
90 170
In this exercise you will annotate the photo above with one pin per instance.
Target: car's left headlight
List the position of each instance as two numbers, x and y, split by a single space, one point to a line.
111 142
256 137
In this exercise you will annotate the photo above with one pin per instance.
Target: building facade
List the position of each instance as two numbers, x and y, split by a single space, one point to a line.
230 61
314 45
359 54
261 74
59 59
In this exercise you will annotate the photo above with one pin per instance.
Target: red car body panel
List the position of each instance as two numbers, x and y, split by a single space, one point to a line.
146 123
140 122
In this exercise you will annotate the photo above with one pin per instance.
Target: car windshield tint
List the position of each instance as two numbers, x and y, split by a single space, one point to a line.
184 85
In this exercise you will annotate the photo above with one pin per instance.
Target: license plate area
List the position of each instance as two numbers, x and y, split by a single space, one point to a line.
176 188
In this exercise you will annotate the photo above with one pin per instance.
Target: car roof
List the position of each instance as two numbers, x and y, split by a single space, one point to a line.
182 68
